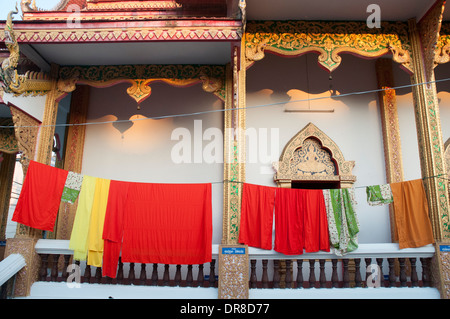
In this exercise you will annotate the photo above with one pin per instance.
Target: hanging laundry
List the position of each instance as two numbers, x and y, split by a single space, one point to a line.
300 221
72 187
95 240
379 195
413 226
157 223
257 210
80 229
40 196
343 224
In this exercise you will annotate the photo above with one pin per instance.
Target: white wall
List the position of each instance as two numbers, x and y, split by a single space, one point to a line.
355 124
142 153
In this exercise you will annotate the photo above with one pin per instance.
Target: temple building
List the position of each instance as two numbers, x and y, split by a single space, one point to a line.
279 98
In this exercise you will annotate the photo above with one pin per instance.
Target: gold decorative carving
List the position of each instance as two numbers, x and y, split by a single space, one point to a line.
431 146
329 39
135 5
26 131
8 141
312 156
139 90
429 27
233 272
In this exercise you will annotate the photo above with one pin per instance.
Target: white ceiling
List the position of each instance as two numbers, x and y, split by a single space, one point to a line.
354 10
136 53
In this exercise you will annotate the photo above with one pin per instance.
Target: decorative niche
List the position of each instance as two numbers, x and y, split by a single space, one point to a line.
313 160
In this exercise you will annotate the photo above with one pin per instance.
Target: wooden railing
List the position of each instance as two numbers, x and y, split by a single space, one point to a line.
268 269
395 267
56 258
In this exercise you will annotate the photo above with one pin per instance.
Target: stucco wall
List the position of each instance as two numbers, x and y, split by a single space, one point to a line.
354 124
143 152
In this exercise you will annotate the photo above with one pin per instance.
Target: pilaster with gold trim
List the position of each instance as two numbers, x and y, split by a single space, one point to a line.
390 128
431 149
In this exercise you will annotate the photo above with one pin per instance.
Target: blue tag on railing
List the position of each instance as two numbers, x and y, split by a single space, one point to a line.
444 248
233 250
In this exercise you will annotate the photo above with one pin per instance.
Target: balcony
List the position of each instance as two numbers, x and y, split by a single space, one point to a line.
402 274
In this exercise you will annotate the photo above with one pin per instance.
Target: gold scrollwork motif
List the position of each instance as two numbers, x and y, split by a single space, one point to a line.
329 39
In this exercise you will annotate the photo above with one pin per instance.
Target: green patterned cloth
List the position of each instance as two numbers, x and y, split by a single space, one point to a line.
379 195
343 224
72 187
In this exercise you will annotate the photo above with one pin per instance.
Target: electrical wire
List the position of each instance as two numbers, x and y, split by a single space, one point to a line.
230 109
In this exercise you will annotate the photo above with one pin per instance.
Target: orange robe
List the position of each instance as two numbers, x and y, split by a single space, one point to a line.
413 226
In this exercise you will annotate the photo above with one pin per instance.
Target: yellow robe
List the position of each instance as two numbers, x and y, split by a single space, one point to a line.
95 240
78 238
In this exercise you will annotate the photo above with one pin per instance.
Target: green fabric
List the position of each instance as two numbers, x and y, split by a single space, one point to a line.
379 195
69 195
343 222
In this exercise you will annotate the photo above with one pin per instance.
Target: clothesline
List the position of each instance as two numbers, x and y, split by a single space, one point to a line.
234 108
440 176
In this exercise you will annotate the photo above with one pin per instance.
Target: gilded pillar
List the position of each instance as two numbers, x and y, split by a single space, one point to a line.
233 257
45 145
431 151
234 149
73 157
390 128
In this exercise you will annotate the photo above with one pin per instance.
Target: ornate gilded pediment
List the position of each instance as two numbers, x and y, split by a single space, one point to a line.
312 156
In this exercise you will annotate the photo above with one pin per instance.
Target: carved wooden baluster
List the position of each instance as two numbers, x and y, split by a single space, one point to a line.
322 278
44 266
288 278
402 272
143 275
154 281
414 278
392 278
87 274
131 274
189 277
120 272
346 278
425 272
368 273
253 273
98 275
54 274
65 273
212 273
276 274
334 275
312 275
358 279
265 276
177 278
299 273
200 276
380 265
166 278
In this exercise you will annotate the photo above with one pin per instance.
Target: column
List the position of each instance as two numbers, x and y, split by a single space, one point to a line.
390 128
431 151
233 257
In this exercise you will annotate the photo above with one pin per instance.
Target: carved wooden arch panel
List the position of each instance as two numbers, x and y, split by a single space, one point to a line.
311 156
329 39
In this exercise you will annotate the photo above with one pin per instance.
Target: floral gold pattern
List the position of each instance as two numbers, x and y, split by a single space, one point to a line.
329 39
